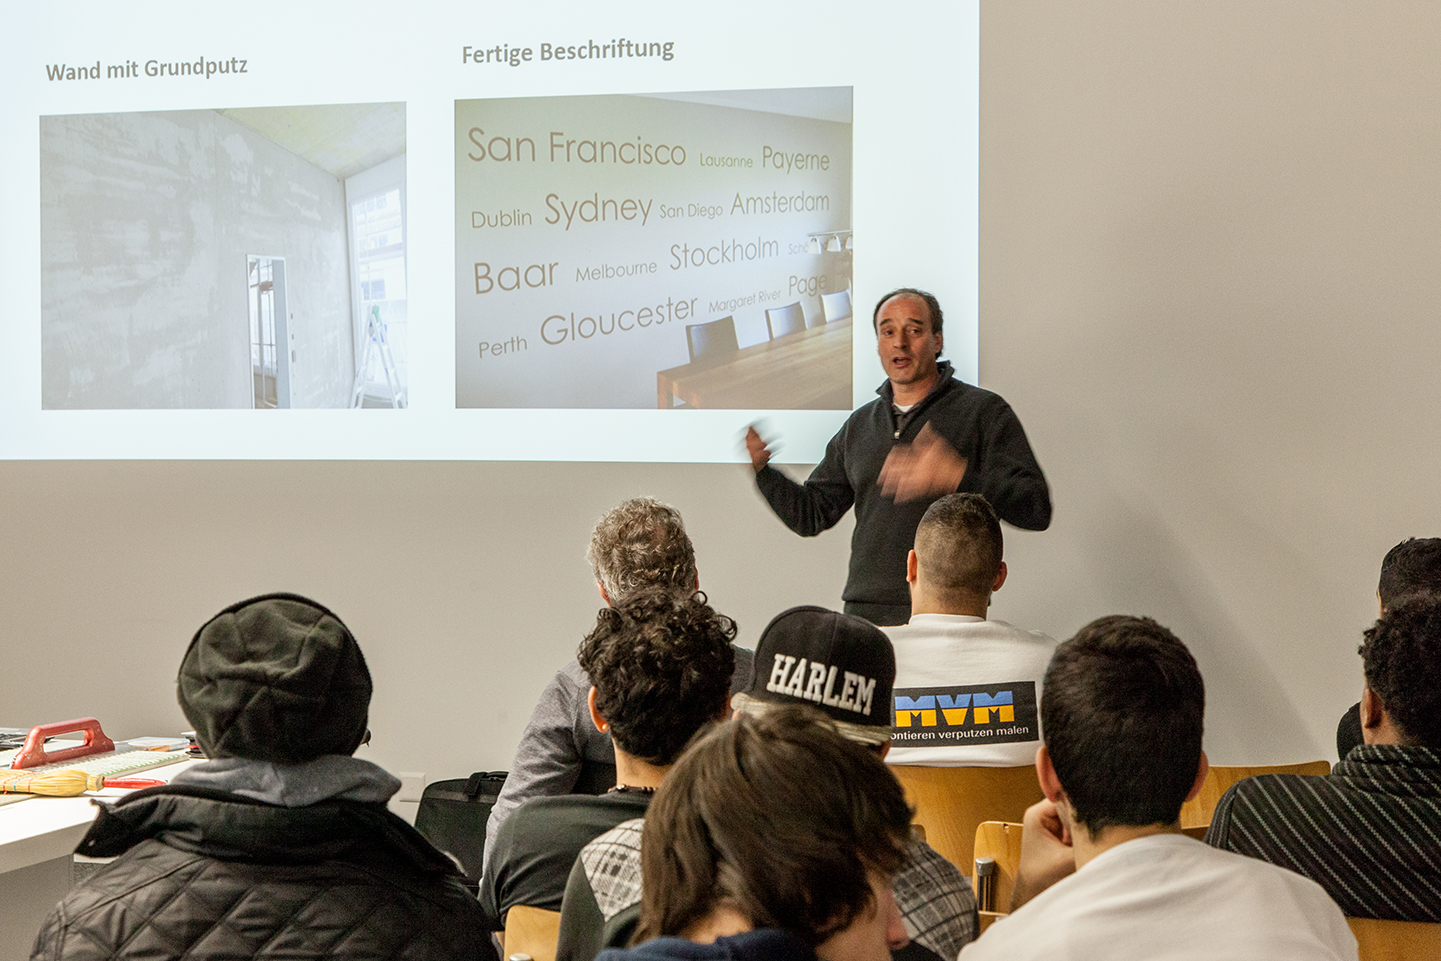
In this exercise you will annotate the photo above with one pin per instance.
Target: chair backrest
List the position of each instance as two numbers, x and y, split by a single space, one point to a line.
532 931
712 340
453 814
1001 842
789 319
1197 811
951 801
836 306
1395 940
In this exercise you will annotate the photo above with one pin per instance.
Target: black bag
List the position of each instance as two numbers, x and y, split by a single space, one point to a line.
453 815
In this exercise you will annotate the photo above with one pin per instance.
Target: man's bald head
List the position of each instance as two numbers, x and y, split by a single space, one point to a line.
958 550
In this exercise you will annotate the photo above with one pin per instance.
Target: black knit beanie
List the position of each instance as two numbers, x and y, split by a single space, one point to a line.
275 678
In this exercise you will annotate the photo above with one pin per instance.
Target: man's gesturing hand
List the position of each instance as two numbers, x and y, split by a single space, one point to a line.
928 466
1046 854
760 453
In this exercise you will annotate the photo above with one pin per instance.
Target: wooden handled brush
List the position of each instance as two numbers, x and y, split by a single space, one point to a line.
64 783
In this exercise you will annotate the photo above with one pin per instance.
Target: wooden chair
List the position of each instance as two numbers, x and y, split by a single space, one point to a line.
951 801
1196 813
1396 940
532 931
1001 842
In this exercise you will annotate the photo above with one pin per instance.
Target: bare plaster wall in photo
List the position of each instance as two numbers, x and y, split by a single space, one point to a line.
146 221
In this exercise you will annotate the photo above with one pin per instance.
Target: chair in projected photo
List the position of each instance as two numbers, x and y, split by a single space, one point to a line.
790 319
836 306
711 341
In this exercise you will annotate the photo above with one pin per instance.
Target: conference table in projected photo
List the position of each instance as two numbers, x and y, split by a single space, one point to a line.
704 235
806 370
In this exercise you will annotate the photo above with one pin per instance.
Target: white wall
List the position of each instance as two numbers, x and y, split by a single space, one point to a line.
1209 287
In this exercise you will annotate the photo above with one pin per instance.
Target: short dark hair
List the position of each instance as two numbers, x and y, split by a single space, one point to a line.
1411 567
778 816
661 668
959 544
1401 656
1122 710
932 304
641 543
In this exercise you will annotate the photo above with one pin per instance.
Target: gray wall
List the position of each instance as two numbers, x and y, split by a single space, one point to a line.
1209 287
146 221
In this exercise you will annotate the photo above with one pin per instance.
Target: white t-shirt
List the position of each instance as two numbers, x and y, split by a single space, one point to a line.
1166 897
967 692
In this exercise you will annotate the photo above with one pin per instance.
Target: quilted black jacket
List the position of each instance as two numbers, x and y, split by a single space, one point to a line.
208 875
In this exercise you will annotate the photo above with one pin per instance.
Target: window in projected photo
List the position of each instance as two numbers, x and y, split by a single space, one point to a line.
377 230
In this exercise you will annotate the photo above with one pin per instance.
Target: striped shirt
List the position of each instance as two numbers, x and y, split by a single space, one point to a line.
1369 832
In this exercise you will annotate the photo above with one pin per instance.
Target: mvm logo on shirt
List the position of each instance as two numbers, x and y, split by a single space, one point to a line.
975 714
814 681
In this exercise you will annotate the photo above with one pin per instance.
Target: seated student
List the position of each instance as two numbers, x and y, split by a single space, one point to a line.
281 844
773 838
950 654
637 545
1411 567
844 667
1370 831
660 668
1105 871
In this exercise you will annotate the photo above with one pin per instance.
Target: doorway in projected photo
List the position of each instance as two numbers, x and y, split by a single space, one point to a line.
269 363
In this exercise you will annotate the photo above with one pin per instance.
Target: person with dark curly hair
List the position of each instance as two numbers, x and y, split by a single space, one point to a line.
1370 831
1411 567
660 669
640 544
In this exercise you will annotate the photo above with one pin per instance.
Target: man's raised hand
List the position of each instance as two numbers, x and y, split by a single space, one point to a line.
760 453
921 469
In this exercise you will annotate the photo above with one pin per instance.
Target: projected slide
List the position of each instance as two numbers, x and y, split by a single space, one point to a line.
671 250
457 231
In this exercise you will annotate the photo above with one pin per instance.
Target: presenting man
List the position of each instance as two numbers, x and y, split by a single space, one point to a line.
928 434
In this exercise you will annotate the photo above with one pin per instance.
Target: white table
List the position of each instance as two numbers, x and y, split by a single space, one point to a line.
37 838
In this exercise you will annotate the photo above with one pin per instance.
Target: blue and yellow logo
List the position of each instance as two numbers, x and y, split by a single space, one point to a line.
974 714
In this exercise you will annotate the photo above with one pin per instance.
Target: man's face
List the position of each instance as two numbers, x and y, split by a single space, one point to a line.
905 342
873 934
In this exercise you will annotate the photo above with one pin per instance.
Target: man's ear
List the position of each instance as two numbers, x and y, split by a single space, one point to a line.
911 567
1046 774
725 711
595 718
1202 767
1372 713
1000 578
603 596
885 749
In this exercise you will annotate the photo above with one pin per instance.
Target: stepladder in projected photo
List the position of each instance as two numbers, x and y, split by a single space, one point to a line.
377 346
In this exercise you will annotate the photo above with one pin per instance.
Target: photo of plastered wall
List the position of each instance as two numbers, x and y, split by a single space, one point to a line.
235 258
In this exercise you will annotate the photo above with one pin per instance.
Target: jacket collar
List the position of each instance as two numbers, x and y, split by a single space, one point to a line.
945 373
234 828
